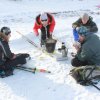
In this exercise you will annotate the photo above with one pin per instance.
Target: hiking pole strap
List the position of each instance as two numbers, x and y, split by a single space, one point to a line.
95 86
90 73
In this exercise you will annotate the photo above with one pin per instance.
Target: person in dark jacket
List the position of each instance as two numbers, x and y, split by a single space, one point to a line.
46 23
89 52
8 60
86 21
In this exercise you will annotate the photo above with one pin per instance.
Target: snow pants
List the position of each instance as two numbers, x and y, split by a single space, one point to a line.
77 63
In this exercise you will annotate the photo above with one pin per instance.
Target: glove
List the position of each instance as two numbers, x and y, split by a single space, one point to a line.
59 49
73 54
77 28
36 34
74 26
50 36
14 56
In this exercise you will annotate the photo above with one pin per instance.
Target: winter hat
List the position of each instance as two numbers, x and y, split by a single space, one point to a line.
5 30
43 16
82 31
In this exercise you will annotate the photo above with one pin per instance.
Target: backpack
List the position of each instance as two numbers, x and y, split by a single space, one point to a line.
86 75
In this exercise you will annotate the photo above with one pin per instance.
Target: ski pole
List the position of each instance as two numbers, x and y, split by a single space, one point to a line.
31 42
27 39
43 70
33 69
20 68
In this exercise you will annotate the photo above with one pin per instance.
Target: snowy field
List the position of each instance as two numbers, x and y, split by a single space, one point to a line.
20 15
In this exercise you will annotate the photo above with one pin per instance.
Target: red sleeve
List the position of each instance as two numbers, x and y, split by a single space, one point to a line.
35 29
52 25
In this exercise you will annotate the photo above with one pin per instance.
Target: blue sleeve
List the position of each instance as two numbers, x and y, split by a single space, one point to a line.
75 34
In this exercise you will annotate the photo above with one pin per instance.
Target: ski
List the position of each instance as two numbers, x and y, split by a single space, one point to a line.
27 39
33 70
62 58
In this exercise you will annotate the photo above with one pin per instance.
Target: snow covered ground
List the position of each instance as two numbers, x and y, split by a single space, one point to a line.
20 16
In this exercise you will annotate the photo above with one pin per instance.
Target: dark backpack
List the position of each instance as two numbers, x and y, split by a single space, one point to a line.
86 75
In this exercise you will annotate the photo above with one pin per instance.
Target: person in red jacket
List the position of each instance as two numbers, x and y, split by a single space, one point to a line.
46 23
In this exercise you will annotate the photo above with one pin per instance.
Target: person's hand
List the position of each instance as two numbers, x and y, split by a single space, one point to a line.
77 45
50 36
14 56
74 26
77 28
73 54
36 34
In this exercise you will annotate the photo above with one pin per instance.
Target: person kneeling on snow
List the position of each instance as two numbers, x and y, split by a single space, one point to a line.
89 51
84 20
46 23
8 60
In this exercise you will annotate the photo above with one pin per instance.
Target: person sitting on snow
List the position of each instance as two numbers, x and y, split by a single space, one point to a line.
8 60
89 51
46 23
86 21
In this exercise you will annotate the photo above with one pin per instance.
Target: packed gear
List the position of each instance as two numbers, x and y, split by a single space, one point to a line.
86 75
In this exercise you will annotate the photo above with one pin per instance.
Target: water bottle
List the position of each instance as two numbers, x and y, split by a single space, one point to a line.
64 50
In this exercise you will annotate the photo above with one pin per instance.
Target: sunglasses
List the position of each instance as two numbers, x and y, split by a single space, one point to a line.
44 20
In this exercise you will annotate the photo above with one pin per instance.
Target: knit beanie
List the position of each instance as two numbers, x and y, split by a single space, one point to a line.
82 31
